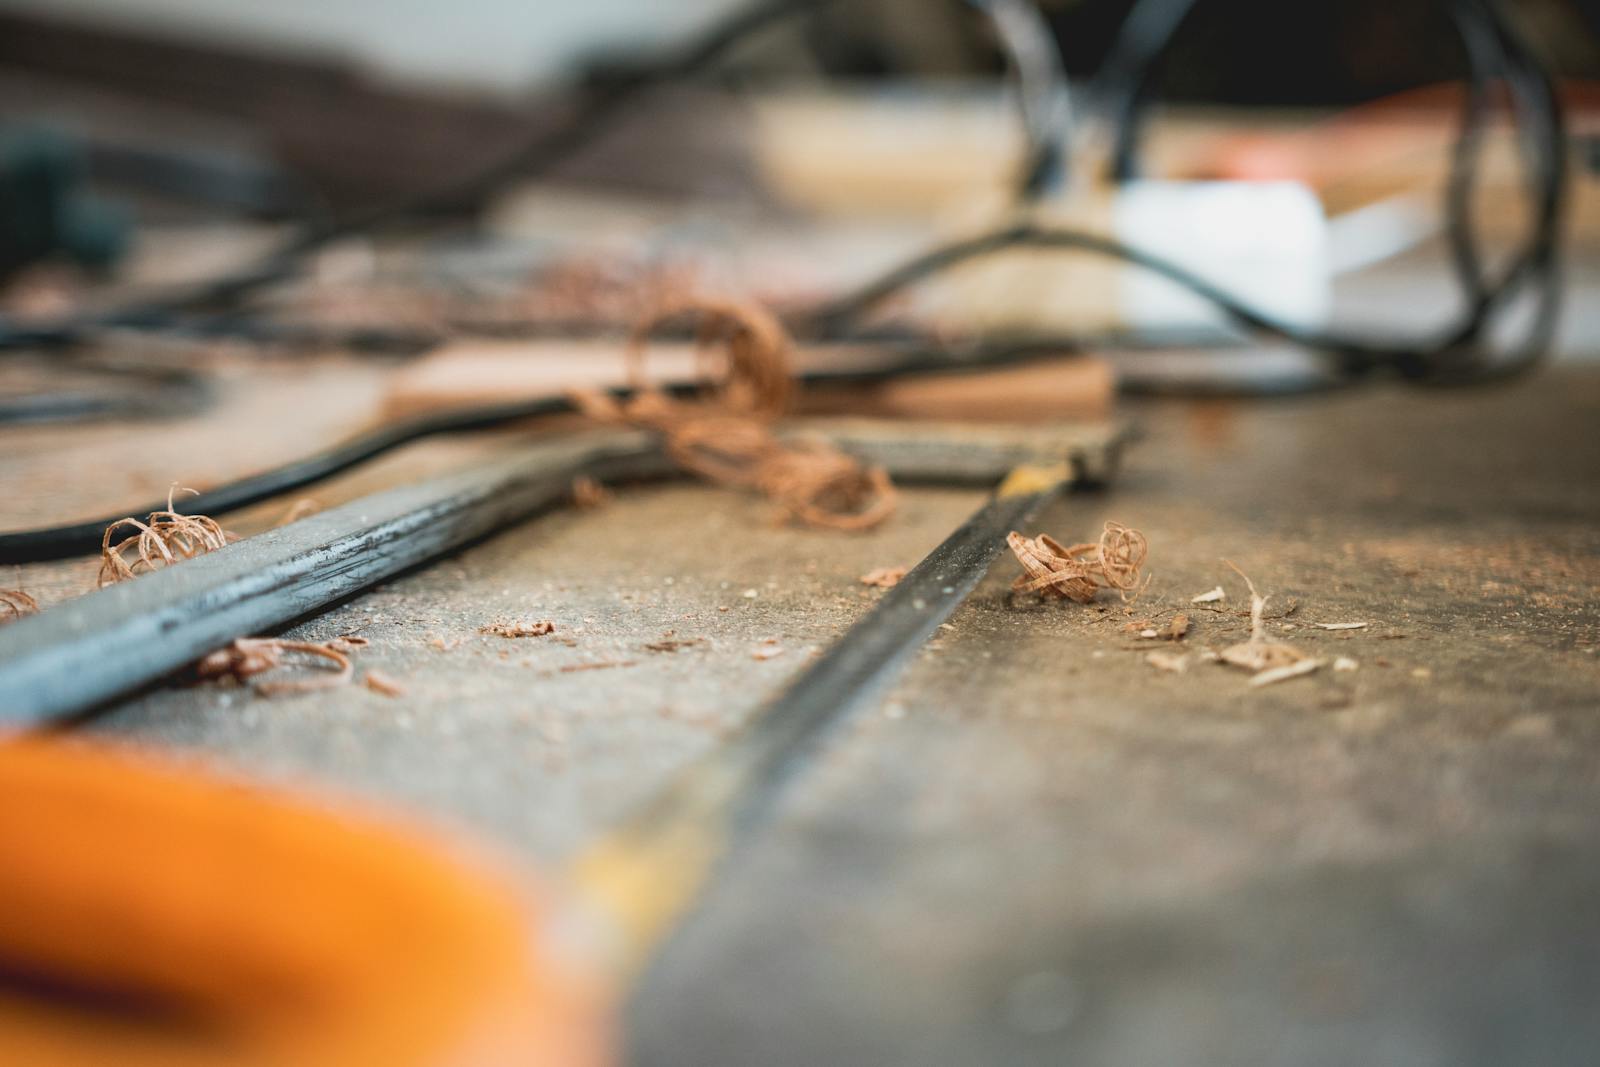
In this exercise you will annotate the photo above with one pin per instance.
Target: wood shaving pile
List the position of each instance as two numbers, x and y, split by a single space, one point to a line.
727 435
162 539
542 628
884 577
1079 572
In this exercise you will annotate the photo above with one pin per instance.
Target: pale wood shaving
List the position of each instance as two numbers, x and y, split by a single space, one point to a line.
1341 626
1260 653
1209 598
1345 663
1284 673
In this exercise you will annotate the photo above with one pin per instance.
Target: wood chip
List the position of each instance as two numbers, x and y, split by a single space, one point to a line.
1176 628
379 682
1345 663
542 628
765 652
1341 626
1209 598
1260 653
884 577
1284 673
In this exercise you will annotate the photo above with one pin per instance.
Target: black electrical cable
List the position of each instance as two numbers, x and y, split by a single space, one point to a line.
1493 50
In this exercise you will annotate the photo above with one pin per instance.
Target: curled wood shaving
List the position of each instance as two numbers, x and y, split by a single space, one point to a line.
1261 653
884 577
1341 626
541 628
726 435
162 539
251 656
14 604
1079 572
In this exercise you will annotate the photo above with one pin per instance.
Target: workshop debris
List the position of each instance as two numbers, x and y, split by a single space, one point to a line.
1341 626
303 508
162 539
726 436
542 628
767 650
884 577
1209 598
248 657
1345 663
588 494
1284 673
1261 653
14 604
1080 571
382 684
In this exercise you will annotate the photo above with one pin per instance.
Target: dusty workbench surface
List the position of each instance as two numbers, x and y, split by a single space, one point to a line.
1039 848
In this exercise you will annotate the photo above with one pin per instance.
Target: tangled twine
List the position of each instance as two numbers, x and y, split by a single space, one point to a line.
1079 572
726 435
162 539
